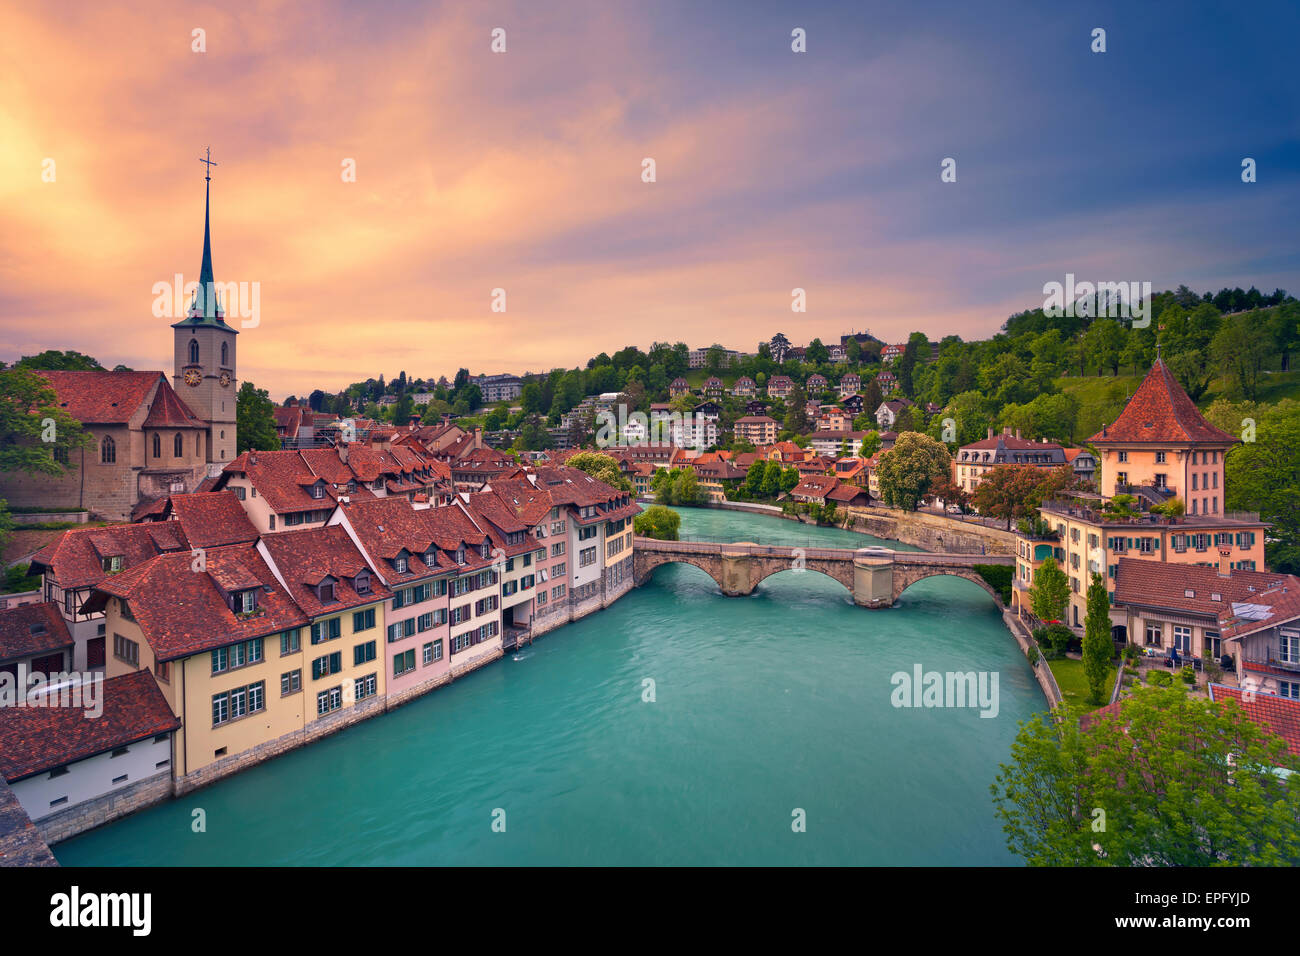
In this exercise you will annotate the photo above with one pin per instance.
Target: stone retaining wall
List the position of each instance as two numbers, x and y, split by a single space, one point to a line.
105 809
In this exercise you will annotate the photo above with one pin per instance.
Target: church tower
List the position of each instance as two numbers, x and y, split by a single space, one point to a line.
205 354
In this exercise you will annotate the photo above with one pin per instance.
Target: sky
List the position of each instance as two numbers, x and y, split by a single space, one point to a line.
523 171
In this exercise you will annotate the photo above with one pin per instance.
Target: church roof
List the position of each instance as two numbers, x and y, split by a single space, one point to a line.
102 397
1160 411
205 309
168 411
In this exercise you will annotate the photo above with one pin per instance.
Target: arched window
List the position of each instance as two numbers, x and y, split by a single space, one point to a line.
177 449
107 450
157 447
225 353
194 352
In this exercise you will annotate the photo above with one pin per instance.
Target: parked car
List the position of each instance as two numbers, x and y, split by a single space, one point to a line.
954 509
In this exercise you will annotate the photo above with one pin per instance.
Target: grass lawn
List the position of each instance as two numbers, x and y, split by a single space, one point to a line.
1074 685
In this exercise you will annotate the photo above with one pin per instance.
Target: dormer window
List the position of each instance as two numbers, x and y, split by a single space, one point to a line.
483 550
318 490
244 602
460 554
362 581
430 558
352 486
325 592
399 564
113 564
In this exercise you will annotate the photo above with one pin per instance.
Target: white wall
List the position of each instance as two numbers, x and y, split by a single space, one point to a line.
93 777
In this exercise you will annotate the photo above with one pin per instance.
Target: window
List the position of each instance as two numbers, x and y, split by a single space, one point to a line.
163 670
363 620
586 557
363 653
326 630
541 597
557 592
238 702
425 621
157 446
364 687
290 641
399 564
403 662
112 565
225 353
178 449
198 446
125 650
361 583
1288 647
318 490
1123 457
325 592
1213 644
241 493
1154 634
1182 639
326 665
1289 688
1160 458
401 629
557 549
290 683
194 352
328 700
107 451
558 571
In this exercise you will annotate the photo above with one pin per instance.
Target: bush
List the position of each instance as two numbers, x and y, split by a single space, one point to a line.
1160 678
1131 653
17 579
998 577
1213 672
1188 674
1058 637
1032 655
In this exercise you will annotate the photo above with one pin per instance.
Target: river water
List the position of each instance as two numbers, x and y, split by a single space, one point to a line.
770 714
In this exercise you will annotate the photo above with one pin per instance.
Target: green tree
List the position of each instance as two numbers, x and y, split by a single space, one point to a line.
1105 341
796 416
36 435
1097 644
6 524
1050 592
1241 348
602 468
908 471
54 360
817 353
1181 780
657 522
254 420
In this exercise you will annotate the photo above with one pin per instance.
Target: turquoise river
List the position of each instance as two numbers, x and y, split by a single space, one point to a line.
763 706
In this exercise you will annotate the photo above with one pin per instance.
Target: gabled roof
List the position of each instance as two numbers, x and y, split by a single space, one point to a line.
212 519
168 411
1161 411
102 397
31 629
305 558
37 739
182 611
76 559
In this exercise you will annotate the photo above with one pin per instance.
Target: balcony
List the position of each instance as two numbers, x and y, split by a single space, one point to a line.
1270 661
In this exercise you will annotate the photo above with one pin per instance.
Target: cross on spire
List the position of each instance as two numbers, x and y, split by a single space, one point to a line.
210 163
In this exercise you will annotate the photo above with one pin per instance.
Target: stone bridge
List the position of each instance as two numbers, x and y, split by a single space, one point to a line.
876 577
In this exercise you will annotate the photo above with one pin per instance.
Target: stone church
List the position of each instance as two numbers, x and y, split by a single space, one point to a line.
150 438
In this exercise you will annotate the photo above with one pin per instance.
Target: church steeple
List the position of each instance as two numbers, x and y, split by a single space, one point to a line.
205 306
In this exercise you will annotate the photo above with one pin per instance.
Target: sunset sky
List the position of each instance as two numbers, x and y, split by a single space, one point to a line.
522 171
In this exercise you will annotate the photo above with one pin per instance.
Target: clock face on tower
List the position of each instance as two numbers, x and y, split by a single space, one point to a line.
225 380
192 377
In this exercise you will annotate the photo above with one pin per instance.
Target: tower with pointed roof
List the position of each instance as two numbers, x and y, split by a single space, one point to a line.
204 357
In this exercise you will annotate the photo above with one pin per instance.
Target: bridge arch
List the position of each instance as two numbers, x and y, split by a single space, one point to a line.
840 573
904 578
644 570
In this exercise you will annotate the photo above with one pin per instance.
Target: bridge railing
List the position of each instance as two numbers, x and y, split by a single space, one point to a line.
835 554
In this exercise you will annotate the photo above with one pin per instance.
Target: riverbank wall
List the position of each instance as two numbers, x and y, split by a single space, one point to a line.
920 529
94 813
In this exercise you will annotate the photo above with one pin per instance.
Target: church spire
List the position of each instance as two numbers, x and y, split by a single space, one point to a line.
205 306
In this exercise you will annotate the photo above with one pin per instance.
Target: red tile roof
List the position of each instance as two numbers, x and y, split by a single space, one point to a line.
76 559
32 629
37 739
101 397
182 611
212 519
1278 715
305 558
1159 584
1160 411
168 411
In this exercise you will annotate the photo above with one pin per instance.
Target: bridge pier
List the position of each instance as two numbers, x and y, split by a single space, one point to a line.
873 581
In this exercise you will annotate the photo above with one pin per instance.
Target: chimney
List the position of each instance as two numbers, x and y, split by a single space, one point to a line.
990 431
1225 565
1017 433
1006 431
